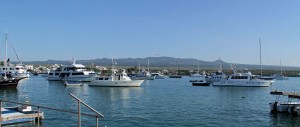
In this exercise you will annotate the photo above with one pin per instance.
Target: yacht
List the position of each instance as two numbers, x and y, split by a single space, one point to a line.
243 79
72 72
216 76
158 75
116 80
21 71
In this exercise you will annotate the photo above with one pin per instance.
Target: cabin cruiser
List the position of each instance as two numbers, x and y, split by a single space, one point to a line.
215 77
243 79
116 80
18 71
143 75
157 75
72 72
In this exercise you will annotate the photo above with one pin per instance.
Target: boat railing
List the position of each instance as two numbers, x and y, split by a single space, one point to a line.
97 115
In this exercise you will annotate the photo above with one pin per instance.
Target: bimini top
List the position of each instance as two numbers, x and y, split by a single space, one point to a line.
289 94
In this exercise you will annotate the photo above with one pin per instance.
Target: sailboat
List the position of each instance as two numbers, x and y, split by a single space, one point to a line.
7 80
18 71
176 76
280 76
197 74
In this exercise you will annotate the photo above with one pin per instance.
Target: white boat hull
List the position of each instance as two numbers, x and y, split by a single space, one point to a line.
81 78
119 83
252 83
282 107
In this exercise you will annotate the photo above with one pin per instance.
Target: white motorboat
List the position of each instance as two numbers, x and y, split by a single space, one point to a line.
157 75
289 106
216 76
243 80
72 72
116 80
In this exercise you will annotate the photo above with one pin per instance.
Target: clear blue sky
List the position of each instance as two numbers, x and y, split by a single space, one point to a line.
201 29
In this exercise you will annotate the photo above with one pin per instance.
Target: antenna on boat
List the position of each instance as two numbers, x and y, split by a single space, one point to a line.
260 57
5 55
221 66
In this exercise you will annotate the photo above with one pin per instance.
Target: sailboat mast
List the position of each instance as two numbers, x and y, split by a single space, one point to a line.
148 65
198 67
5 52
280 68
260 57
177 67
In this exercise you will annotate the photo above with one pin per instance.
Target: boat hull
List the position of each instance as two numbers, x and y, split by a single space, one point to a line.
108 83
243 83
200 83
11 83
175 76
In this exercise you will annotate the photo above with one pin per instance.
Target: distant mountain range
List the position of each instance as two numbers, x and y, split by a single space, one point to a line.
164 62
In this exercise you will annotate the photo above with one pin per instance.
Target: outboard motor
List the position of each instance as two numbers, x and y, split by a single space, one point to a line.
274 109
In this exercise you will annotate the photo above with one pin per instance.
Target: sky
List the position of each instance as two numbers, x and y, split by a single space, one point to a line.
200 29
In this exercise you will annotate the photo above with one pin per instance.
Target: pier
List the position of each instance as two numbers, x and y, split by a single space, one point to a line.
11 115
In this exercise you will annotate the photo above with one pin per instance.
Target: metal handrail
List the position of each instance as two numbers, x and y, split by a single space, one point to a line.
62 110
97 115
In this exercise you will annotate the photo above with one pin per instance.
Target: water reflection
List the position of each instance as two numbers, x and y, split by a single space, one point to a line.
284 119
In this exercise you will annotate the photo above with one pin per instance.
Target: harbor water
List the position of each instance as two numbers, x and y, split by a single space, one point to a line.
157 103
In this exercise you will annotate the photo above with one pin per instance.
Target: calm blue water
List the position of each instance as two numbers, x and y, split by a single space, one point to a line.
159 103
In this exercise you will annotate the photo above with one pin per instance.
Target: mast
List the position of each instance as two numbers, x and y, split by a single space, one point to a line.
5 55
198 67
177 66
220 66
148 65
139 66
260 57
280 68
5 51
112 69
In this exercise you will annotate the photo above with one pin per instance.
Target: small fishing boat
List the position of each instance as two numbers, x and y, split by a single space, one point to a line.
200 83
73 83
281 106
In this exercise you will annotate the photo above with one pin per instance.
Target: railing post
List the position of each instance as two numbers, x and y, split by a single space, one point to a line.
97 121
79 120
0 113
38 116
